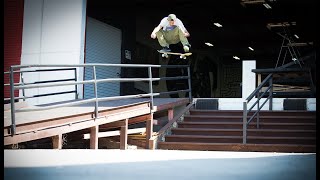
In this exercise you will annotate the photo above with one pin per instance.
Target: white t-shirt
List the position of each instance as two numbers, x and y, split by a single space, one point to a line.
164 23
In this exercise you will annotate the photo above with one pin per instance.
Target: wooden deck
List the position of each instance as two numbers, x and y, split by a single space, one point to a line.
55 122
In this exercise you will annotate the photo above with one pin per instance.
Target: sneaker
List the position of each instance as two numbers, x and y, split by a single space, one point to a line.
186 48
165 49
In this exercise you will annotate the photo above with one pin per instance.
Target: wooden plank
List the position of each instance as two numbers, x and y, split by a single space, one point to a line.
170 113
133 120
124 136
58 113
57 141
259 79
237 147
94 137
165 106
39 125
116 133
149 130
283 24
72 127
152 143
300 44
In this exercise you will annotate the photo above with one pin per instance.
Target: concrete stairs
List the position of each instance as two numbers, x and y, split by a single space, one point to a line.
221 130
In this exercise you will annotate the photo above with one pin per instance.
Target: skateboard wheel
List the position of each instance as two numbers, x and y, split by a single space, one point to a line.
181 57
184 57
162 55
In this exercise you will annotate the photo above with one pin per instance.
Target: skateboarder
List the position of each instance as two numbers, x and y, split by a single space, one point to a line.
171 31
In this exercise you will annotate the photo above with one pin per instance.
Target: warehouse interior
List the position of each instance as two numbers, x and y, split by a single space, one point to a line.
250 30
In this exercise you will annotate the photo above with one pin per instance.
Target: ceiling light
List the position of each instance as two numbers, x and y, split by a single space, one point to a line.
208 44
217 24
296 36
236 57
267 5
251 48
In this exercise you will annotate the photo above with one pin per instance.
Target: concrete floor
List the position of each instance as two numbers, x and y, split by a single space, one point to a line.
157 164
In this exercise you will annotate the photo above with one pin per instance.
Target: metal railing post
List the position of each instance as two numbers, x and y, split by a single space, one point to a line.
95 92
22 83
150 86
258 109
12 101
244 123
76 86
270 93
189 84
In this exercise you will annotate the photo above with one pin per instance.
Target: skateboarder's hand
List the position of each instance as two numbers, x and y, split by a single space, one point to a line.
186 34
153 36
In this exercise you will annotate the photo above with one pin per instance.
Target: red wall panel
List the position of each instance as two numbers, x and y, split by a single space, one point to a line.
13 24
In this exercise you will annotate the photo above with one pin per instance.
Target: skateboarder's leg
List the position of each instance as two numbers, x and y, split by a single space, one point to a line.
162 40
184 40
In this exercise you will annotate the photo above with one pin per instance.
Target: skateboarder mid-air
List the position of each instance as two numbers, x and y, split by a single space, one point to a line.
171 31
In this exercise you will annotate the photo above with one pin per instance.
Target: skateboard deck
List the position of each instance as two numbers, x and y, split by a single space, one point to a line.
182 55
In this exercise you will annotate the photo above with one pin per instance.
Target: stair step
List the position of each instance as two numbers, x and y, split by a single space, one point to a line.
298 148
279 131
238 132
238 139
262 112
239 118
238 125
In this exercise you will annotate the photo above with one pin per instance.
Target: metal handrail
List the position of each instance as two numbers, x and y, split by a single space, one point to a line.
39 82
95 81
246 111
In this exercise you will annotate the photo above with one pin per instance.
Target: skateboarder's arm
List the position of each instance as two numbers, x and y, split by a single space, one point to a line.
181 26
156 29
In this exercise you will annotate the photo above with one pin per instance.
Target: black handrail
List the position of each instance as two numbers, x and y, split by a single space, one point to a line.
255 93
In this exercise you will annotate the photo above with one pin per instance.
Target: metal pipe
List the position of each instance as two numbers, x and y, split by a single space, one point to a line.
102 65
189 84
75 80
12 101
270 93
258 110
95 92
97 81
150 87
244 123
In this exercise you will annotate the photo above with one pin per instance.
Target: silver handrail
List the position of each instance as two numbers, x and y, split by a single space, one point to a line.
95 81
24 97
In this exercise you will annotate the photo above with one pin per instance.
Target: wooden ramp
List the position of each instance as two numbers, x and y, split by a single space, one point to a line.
55 122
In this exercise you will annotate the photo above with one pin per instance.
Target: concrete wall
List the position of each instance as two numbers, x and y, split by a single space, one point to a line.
53 33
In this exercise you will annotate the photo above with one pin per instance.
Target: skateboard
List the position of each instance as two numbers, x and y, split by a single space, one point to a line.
182 55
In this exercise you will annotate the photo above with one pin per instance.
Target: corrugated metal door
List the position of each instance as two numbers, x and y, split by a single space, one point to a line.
103 45
13 23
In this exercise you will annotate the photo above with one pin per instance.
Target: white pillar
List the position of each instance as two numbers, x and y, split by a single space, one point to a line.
248 77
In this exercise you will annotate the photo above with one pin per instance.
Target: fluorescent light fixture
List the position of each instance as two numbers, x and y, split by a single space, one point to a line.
251 48
236 57
296 36
267 5
217 24
208 44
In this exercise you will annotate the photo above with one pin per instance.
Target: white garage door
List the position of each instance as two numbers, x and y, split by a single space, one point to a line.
103 45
